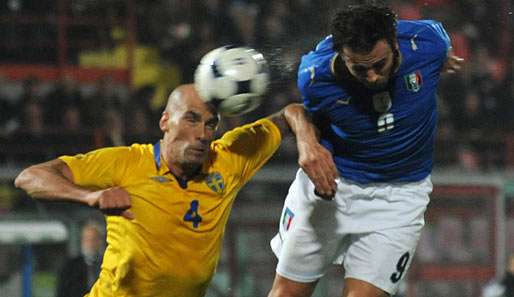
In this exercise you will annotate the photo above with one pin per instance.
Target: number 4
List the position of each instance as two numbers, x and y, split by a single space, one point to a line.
192 214
400 267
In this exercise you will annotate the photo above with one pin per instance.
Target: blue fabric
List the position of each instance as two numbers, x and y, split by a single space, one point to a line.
376 146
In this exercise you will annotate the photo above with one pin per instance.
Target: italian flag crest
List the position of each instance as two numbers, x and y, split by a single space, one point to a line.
413 81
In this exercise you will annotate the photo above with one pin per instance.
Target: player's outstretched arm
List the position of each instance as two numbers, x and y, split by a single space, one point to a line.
314 159
53 180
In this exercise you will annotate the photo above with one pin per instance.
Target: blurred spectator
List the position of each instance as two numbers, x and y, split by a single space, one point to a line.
137 121
29 92
503 287
113 131
244 14
10 274
32 118
508 278
468 159
79 273
65 92
139 127
407 10
7 118
72 119
274 24
471 128
471 120
101 99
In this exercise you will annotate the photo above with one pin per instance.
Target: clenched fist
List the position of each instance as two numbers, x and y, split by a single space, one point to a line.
112 201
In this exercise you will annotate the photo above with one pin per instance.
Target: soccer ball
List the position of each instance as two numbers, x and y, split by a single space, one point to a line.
233 79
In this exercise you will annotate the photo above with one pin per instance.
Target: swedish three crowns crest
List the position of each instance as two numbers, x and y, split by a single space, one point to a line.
215 182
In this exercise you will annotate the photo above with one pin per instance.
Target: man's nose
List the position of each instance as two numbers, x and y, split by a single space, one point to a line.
372 76
203 133
200 132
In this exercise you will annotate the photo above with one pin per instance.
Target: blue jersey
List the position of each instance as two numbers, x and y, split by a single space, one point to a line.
379 136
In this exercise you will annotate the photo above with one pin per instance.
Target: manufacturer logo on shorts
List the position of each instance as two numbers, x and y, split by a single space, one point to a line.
287 218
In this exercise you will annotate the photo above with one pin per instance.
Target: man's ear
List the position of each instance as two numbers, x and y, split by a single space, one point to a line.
163 122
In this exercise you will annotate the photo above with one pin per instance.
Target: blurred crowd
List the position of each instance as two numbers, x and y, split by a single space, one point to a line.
41 119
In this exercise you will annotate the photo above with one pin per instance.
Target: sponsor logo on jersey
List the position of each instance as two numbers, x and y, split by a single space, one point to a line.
215 182
413 81
160 179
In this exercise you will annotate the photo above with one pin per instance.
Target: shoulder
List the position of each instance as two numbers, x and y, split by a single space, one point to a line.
248 134
133 151
317 64
118 155
316 79
137 149
424 35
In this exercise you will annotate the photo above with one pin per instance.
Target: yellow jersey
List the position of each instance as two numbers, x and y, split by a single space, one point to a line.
173 245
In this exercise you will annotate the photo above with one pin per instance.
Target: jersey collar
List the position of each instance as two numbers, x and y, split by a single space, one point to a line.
162 167
157 155
333 64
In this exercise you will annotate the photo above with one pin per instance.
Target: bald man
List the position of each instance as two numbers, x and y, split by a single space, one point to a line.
167 204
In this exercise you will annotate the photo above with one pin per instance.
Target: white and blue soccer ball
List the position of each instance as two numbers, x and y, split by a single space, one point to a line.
233 79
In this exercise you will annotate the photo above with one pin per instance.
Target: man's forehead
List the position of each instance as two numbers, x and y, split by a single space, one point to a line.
381 51
203 113
185 102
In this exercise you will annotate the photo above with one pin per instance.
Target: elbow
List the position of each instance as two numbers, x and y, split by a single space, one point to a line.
23 179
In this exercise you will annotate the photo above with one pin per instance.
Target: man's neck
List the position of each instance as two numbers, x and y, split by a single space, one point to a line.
184 171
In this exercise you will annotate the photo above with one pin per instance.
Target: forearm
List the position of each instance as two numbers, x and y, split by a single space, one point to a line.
300 123
293 118
313 158
48 181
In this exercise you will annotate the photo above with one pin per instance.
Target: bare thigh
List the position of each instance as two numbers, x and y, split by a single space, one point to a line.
358 288
283 287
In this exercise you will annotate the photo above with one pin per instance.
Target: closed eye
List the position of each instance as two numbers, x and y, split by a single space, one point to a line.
378 66
192 117
362 70
212 124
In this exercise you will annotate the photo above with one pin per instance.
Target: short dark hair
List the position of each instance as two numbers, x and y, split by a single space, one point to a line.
360 27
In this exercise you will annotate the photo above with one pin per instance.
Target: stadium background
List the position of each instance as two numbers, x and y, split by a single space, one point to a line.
81 74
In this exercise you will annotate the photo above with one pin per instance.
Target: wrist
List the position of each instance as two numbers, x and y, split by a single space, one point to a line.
90 198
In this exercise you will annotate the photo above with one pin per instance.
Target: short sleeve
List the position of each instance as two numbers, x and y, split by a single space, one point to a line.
317 94
100 168
249 147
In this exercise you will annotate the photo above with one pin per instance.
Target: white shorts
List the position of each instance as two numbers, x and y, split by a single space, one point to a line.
373 230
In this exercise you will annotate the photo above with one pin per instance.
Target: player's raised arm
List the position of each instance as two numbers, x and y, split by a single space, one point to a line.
314 159
53 180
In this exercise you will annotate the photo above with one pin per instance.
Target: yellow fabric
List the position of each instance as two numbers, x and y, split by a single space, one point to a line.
148 69
161 253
